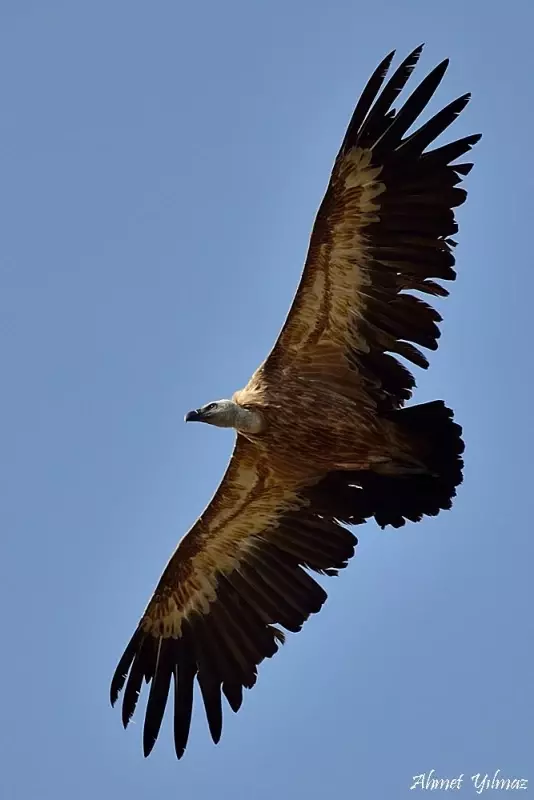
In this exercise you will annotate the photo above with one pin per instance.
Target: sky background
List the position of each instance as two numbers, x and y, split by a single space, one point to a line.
160 168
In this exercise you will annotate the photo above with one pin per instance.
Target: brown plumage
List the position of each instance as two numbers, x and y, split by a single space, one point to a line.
328 441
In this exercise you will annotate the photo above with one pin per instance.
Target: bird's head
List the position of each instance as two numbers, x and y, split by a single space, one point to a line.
222 413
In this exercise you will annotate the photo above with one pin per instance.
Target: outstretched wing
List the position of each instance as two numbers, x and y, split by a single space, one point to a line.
237 574
382 231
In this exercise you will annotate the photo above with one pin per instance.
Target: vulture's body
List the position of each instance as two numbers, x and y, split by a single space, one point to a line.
323 437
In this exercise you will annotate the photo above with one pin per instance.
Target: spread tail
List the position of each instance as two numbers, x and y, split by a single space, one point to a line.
394 498
437 441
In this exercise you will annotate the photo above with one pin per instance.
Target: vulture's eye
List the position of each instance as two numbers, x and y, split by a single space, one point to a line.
210 407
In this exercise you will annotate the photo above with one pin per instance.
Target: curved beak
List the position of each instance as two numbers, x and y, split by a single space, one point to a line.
193 416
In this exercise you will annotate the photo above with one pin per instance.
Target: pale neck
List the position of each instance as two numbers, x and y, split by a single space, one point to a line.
247 421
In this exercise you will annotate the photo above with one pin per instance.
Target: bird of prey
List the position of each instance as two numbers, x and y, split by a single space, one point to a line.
324 439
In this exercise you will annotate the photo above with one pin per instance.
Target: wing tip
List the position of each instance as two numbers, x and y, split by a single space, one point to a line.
179 750
148 745
127 712
386 61
123 667
216 734
117 684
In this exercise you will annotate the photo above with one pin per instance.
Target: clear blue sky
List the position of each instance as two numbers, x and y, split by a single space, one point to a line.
160 167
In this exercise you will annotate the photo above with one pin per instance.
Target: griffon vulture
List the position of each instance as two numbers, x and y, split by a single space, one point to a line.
297 476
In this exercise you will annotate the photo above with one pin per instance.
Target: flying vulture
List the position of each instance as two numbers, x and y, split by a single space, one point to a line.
324 438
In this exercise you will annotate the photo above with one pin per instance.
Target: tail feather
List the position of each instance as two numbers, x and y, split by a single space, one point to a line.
438 437
393 499
437 441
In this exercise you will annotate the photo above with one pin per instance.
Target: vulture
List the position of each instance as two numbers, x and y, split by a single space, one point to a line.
324 440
